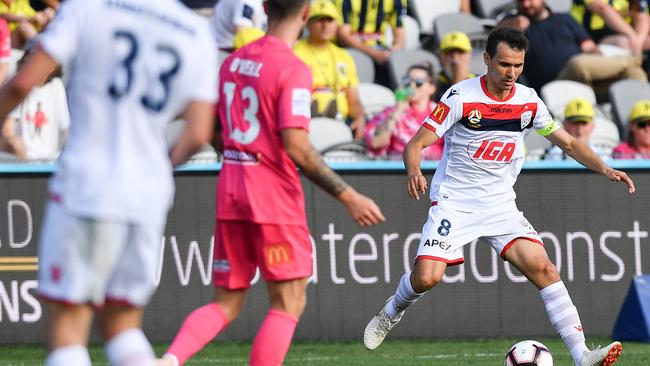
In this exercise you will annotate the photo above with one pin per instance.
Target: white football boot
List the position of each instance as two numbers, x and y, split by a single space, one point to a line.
379 326
604 356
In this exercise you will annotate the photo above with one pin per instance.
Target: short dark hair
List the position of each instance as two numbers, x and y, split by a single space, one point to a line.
514 38
282 9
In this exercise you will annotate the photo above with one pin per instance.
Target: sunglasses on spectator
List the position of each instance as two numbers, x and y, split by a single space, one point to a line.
643 124
417 81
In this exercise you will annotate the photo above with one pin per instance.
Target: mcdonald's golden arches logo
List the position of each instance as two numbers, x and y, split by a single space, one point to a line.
277 254
440 113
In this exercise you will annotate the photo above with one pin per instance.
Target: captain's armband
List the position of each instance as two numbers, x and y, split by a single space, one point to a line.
552 127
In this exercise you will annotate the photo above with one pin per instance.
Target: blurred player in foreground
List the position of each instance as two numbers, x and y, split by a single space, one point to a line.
485 120
261 221
134 66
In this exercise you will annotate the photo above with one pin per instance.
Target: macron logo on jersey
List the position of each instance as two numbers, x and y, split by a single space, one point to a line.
301 102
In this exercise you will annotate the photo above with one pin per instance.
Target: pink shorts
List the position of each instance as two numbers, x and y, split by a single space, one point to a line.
282 252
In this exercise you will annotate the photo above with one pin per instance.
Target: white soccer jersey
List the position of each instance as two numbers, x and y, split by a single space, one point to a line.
229 14
484 143
134 66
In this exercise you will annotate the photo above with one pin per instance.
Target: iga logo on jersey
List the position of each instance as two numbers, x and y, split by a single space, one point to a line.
492 150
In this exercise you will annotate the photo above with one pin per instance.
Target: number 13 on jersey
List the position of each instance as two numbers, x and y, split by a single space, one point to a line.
237 130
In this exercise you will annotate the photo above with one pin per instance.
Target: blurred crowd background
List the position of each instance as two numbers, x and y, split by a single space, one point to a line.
380 66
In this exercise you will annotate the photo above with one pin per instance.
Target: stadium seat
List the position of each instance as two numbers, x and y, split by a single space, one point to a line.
605 134
560 6
365 66
426 13
475 28
327 132
492 8
412 29
558 93
536 146
375 98
400 61
477 65
412 33
623 95
353 151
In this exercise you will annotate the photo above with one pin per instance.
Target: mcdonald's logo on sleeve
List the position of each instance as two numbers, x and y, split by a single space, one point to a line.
440 113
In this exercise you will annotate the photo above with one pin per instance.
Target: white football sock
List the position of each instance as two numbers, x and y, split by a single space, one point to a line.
130 348
72 355
564 317
405 296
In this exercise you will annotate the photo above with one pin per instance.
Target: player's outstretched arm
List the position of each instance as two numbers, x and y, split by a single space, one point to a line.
587 157
363 210
35 70
412 154
198 115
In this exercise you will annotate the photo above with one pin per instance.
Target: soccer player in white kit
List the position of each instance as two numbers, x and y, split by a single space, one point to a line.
134 66
484 121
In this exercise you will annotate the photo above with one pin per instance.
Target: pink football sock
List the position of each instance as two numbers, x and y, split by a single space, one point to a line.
198 329
273 339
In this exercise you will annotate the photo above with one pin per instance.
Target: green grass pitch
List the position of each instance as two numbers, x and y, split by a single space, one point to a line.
399 353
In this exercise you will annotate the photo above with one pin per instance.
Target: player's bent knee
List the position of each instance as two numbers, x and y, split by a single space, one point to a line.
549 272
544 273
423 282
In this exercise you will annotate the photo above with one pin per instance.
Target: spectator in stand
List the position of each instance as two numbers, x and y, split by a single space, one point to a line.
388 132
24 21
363 25
579 123
622 23
37 128
231 16
456 57
637 145
5 50
335 93
561 49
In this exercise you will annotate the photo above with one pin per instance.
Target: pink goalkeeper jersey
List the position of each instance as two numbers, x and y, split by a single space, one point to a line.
264 88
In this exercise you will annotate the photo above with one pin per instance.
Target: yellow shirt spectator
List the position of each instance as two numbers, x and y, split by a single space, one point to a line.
596 25
369 19
333 71
17 7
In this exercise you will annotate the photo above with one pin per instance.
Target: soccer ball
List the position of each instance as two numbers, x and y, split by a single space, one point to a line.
528 353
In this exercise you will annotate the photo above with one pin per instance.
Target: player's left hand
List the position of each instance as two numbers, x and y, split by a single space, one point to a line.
417 183
619 176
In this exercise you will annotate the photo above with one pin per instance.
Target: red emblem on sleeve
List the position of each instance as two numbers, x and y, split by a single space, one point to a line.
440 113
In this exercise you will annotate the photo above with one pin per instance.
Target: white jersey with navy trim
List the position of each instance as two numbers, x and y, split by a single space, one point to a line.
484 143
134 65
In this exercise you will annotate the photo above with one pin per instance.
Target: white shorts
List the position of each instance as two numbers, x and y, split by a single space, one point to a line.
447 231
89 261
